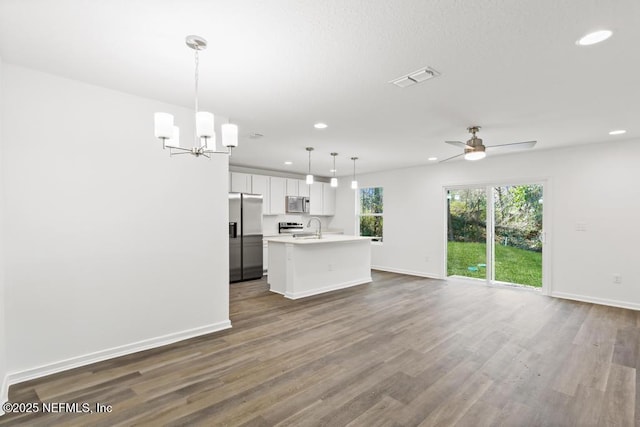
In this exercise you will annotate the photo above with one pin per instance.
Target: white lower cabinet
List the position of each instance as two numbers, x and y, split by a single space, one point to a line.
265 256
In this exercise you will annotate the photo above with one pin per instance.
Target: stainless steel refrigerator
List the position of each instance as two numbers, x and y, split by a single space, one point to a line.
245 236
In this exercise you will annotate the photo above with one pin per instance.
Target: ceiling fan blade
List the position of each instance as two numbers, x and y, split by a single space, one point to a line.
513 146
457 144
451 158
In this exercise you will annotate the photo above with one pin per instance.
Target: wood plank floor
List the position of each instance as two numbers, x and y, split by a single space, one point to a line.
401 351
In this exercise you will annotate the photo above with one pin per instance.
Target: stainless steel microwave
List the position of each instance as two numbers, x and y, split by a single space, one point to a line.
296 204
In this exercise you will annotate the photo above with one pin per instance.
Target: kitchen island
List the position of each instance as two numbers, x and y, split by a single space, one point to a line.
301 267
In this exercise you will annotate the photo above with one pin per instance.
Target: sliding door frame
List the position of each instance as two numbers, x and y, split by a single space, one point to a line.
489 187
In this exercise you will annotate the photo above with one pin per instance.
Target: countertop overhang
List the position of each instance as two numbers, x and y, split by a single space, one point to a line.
331 238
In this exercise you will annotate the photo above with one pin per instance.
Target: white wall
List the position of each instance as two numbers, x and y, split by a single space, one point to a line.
111 245
594 184
3 341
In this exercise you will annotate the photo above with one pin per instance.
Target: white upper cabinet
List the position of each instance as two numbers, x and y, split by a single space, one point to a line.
240 182
322 199
277 190
292 187
303 188
315 199
260 185
328 199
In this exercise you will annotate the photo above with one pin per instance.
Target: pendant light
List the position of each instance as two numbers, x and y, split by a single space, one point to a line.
334 180
204 133
309 176
354 183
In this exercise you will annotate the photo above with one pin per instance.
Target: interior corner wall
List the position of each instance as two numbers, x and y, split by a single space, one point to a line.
594 184
3 341
111 245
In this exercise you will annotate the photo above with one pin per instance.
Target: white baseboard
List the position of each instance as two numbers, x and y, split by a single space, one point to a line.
316 291
110 353
595 300
407 272
4 393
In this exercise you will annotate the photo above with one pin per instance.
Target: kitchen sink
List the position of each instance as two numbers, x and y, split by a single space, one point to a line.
305 236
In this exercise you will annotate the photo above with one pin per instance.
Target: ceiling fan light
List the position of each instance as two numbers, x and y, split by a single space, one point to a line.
475 155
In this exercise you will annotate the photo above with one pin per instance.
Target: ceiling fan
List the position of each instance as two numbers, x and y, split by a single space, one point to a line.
475 150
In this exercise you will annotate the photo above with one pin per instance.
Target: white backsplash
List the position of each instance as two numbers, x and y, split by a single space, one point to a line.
270 222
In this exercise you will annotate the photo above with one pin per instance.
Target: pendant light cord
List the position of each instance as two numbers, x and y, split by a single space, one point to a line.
309 162
354 169
195 115
334 166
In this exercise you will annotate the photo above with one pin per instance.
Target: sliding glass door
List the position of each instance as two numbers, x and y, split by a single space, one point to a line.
517 249
467 232
495 233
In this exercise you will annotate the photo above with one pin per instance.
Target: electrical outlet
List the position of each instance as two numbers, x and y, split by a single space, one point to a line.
617 278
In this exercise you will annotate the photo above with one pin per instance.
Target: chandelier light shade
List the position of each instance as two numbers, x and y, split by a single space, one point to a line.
309 175
354 182
174 139
204 135
334 180
229 135
204 125
163 125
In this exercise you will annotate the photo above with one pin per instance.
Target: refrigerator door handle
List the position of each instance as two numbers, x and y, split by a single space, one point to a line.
233 230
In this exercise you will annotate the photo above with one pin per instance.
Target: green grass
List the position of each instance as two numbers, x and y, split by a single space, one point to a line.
513 265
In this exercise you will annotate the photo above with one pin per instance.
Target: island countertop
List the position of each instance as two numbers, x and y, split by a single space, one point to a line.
310 240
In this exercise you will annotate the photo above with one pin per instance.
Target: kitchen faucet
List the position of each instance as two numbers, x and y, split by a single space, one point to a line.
319 232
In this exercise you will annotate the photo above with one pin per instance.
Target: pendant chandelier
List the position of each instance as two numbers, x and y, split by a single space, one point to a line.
334 180
204 135
354 183
309 176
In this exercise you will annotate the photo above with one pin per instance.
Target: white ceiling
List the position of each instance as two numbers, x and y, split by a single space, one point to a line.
277 67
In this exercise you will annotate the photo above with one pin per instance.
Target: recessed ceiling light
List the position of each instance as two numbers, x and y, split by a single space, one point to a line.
320 126
433 159
288 163
595 37
617 132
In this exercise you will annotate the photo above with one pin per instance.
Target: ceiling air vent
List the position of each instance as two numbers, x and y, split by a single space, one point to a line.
415 77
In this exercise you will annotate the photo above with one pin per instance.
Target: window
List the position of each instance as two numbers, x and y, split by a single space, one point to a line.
370 213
